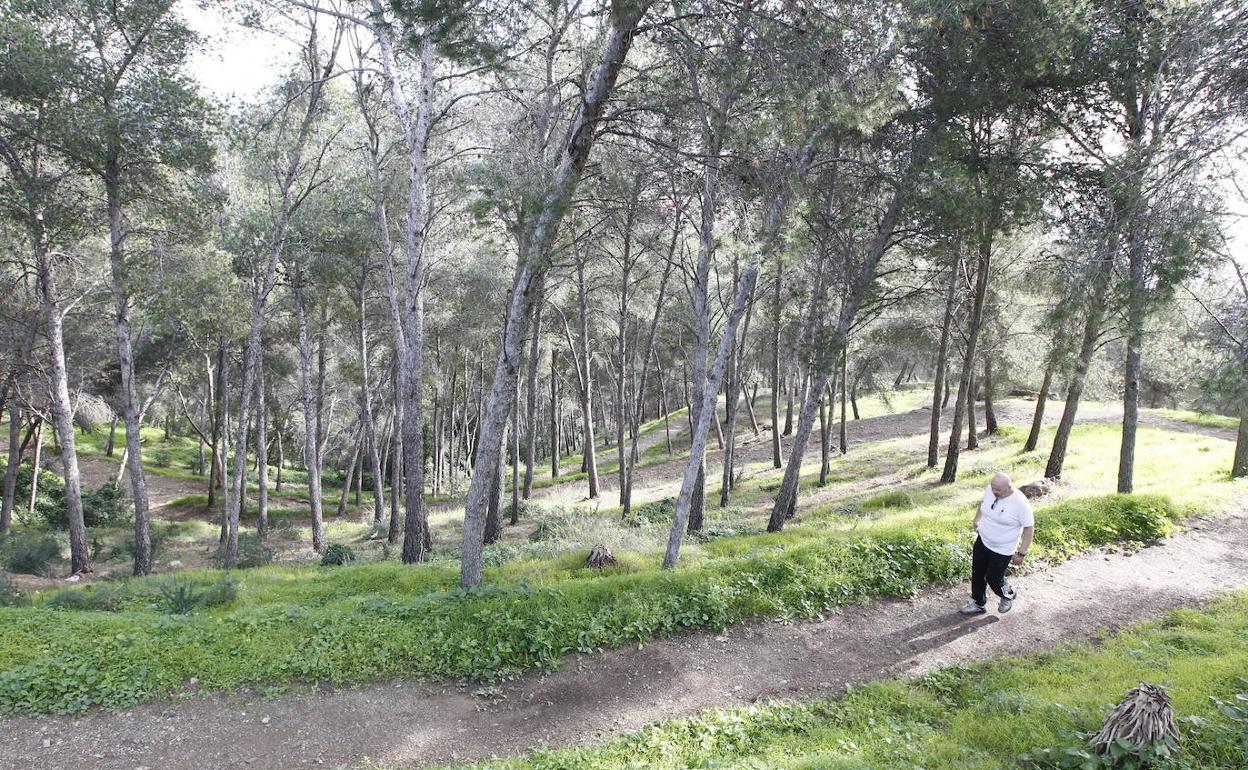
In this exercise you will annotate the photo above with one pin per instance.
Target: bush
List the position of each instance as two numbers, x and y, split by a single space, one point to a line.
179 596
104 506
653 512
252 552
9 595
337 554
101 598
31 554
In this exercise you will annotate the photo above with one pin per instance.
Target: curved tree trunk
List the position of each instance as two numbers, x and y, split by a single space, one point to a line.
1037 418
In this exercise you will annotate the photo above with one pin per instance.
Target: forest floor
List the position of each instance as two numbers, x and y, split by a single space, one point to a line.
592 697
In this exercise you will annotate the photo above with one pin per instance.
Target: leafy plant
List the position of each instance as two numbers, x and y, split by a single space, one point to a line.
103 597
338 554
31 553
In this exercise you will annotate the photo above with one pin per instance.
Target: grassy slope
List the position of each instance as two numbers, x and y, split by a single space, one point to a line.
370 621
959 718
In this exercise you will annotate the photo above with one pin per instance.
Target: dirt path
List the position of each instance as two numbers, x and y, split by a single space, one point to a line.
410 724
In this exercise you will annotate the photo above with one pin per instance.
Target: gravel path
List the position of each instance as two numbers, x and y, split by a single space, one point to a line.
411 724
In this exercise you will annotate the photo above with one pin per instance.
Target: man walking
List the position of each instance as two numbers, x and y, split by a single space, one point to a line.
1003 516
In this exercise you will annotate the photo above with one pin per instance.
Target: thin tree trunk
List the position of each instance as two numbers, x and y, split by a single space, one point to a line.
777 310
966 381
125 362
366 412
112 437
1087 349
972 435
990 413
515 458
554 417
844 445
35 465
262 456
538 240
824 440
942 365
531 421
346 483
1133 367
1239 465
13 461
311 442
62 410
1037 418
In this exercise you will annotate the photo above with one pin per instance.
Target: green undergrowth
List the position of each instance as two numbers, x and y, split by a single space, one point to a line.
367 621
358 623
982 717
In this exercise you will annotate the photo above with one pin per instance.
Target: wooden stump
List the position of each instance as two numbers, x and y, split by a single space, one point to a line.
1143 720
600 556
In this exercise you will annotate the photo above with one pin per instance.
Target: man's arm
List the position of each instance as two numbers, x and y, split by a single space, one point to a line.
1024 545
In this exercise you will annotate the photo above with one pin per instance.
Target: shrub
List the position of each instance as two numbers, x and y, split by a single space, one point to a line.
102 598
104 506
338 554
31 553
9 595
653 512
252 552
179 596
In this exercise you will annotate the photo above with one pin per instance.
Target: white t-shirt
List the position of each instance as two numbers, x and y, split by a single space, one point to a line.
1002 520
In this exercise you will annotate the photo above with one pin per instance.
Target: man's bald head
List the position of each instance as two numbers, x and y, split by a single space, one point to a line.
1001 485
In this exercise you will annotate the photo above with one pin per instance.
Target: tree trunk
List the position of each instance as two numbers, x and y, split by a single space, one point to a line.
112 437
311 443
777 310
1239 465
531 421
972 435
788 408
13 461
125 362
1087 349
35 465
844 444
786 497
824 440
990 413
554 417
589 462
966 381
942 365
262 455
538 239
1133 367
515 458
350 476
1037 418
366 412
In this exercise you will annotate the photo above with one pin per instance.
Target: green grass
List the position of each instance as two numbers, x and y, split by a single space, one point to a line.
1202 419
980 717
369 621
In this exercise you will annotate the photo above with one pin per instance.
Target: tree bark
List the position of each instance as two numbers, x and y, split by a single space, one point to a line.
942 365
366 412
966 381
554 417
311 443
1037 418
125 362
262 455
531 421
777 310
844 444
13 461
62 410
990 413
1239 465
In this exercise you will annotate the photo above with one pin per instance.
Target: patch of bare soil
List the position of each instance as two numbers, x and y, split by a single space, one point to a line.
592 697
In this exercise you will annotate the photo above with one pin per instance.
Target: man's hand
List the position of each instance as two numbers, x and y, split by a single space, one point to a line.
1017 560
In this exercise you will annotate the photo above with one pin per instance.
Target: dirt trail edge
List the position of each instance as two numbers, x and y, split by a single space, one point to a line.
592 697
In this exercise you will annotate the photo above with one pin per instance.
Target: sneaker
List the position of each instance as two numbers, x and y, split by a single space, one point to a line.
1007 602
973 608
